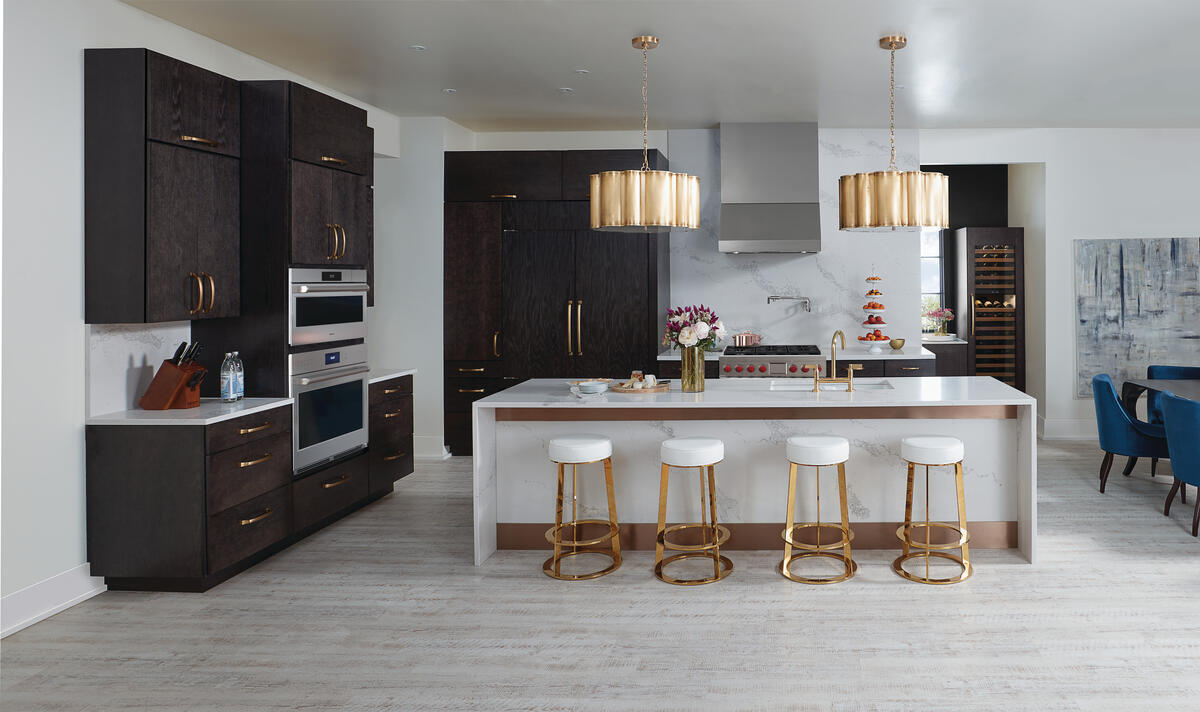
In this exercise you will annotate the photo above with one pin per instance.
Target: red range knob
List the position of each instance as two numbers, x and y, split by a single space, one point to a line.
728 369
792 368
739 369
762 369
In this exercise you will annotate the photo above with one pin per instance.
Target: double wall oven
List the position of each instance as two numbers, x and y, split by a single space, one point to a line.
328 365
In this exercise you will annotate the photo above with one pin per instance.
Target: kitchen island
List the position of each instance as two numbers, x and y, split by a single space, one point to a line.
514 480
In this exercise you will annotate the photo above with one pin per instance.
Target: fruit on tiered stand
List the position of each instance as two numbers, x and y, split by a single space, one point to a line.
874 310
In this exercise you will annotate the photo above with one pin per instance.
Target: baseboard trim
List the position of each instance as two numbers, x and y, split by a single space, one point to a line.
429 447
1069 429
39 601
756 536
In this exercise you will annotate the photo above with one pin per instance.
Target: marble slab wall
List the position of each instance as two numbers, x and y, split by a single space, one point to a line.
737 286
122 359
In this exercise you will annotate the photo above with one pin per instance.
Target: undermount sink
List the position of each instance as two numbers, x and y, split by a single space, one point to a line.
806 384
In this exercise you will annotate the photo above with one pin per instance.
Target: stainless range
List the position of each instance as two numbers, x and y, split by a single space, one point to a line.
769 361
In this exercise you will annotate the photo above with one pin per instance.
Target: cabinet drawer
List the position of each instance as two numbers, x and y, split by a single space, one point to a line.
473 176
246 528
462 392
914 367
329 132
391 389
870 369
248 428
389 461
246 471
474 369
394 416
190 106
329 491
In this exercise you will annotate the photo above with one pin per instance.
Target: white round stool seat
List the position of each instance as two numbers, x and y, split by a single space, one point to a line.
692 452
817 449
578 449
931 449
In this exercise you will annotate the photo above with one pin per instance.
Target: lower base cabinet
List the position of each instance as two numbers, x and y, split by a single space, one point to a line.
323 494
249 527
390 457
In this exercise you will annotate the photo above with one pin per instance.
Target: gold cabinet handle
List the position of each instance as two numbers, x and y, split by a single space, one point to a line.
332 251
331 159
467 370
495 345
256 461
396 413
854 367
466 390
570 349
200 298
971 306
212 292
579 328
390 391
397 456
343 252
910 368
510 196
334 483
196 139
255 429
266 513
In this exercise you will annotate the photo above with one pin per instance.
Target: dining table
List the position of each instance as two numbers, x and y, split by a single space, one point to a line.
1132 389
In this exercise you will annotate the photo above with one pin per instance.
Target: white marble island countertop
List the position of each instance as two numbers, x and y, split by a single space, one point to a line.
773 393
853 352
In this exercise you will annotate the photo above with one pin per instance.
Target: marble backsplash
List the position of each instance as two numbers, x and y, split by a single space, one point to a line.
737 286
122 359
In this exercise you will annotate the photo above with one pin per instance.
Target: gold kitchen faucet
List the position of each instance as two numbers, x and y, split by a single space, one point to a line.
848 380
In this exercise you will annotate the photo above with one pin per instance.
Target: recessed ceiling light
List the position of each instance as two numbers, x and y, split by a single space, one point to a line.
566 90
417 48
582 71
448 90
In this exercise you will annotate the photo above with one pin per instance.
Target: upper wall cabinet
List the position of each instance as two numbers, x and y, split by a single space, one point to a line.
161 189
329 132
578 167
475 176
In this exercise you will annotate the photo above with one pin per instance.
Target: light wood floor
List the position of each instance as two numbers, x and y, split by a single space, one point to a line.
385 611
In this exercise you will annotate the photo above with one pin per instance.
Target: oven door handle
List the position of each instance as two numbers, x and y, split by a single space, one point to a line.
331 375
315 288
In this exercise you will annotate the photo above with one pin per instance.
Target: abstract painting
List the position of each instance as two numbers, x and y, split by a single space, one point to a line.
1137 303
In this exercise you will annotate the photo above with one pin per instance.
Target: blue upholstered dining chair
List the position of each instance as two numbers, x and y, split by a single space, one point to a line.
1154 411
1181 419
1121 434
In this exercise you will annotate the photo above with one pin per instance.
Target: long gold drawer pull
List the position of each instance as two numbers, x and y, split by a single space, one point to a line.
256 461
579 328
334 483
196 139
266 513
910 368
511 196
397 456
331 159
496 344
343 252
332 254
399 412
470 370
255 429
465 390
200 298
212 292
570 349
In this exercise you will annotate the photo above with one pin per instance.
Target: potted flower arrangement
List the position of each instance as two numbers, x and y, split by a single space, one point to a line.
940 317
693 329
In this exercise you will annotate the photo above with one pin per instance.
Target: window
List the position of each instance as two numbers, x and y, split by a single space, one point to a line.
931 274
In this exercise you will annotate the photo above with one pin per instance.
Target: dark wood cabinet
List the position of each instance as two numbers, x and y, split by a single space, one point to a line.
322 495
161 189
991 293
350 203
612 291
329 220
329 132
578 167
879 368
951 358
391 433
910 367
474 176
673 368
538 314
471 285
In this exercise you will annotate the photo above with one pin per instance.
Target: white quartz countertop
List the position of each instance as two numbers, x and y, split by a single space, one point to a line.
384 374
943 341
677 355
758 393
210 410
854 352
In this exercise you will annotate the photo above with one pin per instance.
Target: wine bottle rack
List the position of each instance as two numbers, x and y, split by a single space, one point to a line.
992 275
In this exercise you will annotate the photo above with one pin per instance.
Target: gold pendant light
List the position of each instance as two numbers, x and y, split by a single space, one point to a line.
645 200
893 198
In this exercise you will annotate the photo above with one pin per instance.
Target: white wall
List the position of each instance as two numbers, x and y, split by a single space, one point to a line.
1100 183
45 340
1027 209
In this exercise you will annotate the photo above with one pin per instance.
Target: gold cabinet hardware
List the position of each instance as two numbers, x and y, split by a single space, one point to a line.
340 255
196 139
212 292
466 370
331 159
200 290
255 429
397 456
510 196
495 345
397 413
466 390
255 461
579 328
910 368
570 349
266 513
971 306
332 251
334 483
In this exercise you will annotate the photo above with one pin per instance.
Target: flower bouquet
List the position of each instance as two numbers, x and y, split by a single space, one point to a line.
693 329
940 317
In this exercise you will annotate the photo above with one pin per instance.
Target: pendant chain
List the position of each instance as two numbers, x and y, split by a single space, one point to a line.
645 110
892 108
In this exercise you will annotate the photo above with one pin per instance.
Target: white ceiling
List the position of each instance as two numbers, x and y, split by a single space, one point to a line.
970 63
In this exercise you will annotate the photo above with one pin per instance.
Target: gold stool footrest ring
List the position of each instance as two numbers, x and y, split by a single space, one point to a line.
967 569
726 568
785 567
963 536
548 565
612 532
845 536
722 536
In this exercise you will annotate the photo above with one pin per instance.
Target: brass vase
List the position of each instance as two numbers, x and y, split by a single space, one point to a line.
692 369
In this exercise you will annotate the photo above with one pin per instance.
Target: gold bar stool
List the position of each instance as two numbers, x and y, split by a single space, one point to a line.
576 450
933 451
817 451
702 454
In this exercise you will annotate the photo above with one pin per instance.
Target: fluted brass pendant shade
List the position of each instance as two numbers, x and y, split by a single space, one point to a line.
891 199
644 200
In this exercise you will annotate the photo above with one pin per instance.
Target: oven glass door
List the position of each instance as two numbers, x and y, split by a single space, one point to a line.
330 415
320 316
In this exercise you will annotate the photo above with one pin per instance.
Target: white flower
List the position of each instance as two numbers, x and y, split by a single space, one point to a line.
719 329
687 336
678 319
701 328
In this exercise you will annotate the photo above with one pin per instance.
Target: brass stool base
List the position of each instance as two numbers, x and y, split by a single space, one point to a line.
967 569
722 536
726 568
785 568
549 565
906 536
845 536
552 567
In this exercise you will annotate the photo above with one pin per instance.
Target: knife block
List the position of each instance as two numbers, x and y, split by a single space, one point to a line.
169 388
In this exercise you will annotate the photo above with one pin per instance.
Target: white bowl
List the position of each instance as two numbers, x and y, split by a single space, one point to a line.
592 387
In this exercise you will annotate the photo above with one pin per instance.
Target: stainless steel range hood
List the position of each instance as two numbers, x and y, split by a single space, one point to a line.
769 188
